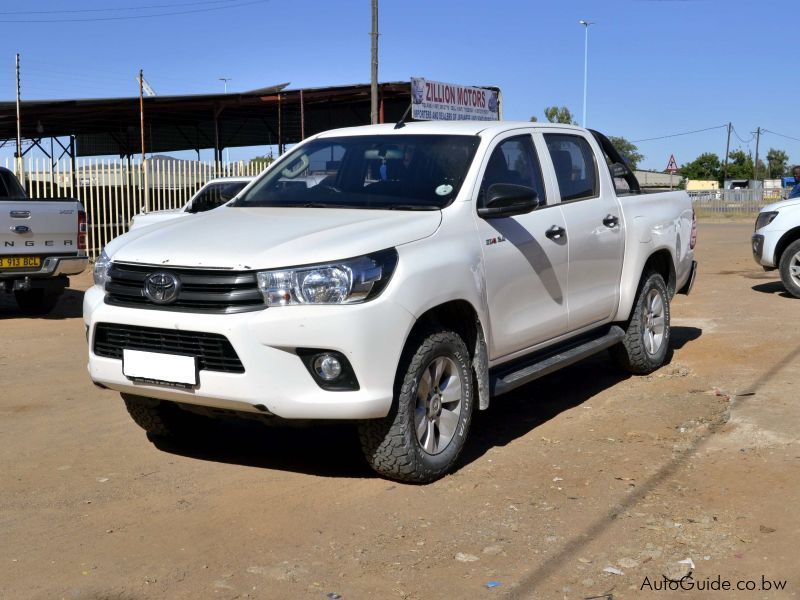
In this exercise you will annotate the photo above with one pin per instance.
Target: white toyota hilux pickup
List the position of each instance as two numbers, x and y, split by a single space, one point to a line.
776 241
431 267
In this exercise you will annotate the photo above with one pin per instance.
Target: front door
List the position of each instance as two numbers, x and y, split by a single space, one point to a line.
526 271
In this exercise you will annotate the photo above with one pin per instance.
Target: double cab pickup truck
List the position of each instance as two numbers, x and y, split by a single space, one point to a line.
42 242
430 267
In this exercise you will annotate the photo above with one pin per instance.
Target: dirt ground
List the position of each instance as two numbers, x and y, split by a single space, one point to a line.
581 473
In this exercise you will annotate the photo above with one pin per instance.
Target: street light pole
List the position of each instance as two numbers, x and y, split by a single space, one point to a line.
225 80
585 65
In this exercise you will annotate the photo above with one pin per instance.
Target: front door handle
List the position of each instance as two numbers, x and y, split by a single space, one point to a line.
610 221
555 232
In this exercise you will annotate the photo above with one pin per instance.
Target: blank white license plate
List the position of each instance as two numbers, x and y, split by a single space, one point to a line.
155 367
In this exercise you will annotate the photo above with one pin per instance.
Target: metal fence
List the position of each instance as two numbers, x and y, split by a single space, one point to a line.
733 203
112 190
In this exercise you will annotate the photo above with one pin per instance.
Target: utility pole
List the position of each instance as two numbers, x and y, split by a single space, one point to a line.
141 126
727 151
374 76
755 164
18 156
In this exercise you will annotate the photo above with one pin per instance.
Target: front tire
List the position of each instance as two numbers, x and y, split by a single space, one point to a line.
645 346
790 268
423 435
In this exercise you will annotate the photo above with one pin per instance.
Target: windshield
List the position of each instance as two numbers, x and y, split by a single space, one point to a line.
403 172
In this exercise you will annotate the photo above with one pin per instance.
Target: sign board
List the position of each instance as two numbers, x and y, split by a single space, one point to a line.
437 101
672 166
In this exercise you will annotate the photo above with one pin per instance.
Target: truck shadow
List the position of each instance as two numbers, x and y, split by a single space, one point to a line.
332 450
70 306
773 287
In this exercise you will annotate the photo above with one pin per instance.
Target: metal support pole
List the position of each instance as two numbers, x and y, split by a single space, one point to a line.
18 161
585 66
302 117
280 126
145 180
374 74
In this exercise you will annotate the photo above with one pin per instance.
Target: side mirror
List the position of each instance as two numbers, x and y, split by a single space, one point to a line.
508 200
618 170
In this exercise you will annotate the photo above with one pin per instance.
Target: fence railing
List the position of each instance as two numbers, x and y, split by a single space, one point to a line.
732 203
113 190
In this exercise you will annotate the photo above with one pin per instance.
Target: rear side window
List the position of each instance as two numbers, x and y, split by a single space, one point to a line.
575 166
514 161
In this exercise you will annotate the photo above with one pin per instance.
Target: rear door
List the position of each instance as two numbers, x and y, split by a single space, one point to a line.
594 228
526 271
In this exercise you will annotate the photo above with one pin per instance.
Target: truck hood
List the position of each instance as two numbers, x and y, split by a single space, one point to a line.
781 204
266 238
157 216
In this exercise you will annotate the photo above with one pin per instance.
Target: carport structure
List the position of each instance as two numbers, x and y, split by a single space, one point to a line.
270 116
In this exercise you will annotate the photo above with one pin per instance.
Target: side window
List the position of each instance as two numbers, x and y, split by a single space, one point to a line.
575 166
3 188
513 161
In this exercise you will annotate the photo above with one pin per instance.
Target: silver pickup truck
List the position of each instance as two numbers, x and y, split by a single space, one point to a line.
42 241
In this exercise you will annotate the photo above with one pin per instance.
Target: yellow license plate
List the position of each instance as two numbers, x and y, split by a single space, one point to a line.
19 262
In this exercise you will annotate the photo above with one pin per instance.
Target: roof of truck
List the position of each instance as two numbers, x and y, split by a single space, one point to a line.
443 128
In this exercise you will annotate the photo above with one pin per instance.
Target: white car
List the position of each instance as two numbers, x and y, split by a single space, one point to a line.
429 267
776 241
213 194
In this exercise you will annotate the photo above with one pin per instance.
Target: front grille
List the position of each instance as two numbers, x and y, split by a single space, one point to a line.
213 351
201 291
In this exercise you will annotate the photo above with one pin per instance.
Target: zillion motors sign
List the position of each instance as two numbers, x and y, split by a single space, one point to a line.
437 101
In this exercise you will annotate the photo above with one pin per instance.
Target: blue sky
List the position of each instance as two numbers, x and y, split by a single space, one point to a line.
656 67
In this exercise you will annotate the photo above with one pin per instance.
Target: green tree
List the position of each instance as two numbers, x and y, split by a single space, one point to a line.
740 165
776 163
534 120
559 114
628 150
262 162
706 166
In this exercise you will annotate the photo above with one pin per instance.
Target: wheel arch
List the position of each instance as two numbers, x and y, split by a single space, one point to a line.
461 317
660 261
786 239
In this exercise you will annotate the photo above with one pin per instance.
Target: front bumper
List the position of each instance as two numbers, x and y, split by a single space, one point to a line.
370 335
52 266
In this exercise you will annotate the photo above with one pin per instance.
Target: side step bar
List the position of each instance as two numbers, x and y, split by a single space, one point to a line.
504 379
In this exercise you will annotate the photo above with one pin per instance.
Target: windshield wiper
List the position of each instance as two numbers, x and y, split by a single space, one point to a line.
409 207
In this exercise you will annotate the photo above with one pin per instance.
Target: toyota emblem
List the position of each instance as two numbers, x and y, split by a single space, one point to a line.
162 287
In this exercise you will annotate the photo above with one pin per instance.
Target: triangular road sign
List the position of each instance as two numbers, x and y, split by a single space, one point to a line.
672 166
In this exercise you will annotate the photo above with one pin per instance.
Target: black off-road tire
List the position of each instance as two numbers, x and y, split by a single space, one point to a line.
36 302
787 262
631 353
390 445
165 419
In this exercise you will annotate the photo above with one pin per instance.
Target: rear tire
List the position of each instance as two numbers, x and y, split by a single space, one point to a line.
164 419
645 346
790 268
423 435
36 302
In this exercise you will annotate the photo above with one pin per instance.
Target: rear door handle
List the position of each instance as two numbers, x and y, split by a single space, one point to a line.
610 221
555 232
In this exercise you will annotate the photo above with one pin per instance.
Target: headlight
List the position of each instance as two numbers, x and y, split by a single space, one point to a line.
343 282
765 218
101 268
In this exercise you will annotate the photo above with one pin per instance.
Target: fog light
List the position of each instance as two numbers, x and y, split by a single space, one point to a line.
327 367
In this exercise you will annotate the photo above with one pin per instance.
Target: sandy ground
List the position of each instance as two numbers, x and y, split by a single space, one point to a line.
581 471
